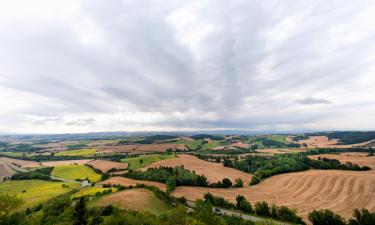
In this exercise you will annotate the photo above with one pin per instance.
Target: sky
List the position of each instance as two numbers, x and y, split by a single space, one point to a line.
90 66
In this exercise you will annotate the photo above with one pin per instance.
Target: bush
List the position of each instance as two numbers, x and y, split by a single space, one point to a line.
262 209
325 217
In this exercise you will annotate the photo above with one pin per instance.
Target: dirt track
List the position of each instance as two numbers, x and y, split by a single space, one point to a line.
339 191
213 171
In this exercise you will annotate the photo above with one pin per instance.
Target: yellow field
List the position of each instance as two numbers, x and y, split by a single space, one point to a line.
73 172
87 152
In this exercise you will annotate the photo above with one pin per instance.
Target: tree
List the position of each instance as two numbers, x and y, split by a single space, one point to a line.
262 209
8 203
226 183
362 217
238 183
325 217
243 205
79 212
228 163
141 161
208 197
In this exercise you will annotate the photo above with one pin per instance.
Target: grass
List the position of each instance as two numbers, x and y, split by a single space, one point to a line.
73 172
87 152
211 144
279 138
134 162
91 191
35 192
138 199
193 145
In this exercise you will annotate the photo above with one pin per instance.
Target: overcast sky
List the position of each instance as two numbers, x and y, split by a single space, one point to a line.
82 66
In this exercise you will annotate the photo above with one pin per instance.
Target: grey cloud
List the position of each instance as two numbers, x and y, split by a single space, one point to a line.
313 101
244 72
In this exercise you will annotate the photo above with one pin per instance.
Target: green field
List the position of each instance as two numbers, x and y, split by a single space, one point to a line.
73 172
279 138
211 144
91 191
193 145
134 163
87 152
35 192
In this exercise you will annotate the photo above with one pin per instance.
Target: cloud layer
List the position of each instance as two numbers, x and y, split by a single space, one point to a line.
79 66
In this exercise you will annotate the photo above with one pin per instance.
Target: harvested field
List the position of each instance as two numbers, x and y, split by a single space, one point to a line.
105 165
131 182
213 171
279 151
21 163
231 146
5 171
135 162
66 162
324 142
138 199
356 158
138 149
339 191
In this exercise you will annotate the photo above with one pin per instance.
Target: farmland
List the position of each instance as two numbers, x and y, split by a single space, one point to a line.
213 171
127 182
34 192
339 191
135 199
66 162
89 152
142 161
74 172
91 191
105 165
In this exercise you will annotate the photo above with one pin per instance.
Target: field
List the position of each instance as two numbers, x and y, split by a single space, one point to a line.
324 142
141 148
135 163
88 152
358 158
5 171
105 165
339 191
279 151
211 144
138 199
66 162
130 182
19 162
213 171
91 191
34 192
73 172
191 144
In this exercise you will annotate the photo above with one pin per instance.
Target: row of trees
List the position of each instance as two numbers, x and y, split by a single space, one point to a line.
179 176
282 213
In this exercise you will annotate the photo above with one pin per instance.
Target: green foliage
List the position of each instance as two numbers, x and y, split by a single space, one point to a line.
262 209
362 217
217 201
79 212
351 137
173 177
40 173
243 205
238 183
135 162
76 146
8 203
325 217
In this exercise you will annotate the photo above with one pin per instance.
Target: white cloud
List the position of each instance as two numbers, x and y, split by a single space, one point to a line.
80 66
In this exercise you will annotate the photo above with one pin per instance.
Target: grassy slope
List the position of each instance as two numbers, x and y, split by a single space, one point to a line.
87 152
72 172
190 144
138 199
37 191
147 160
91 191
212 144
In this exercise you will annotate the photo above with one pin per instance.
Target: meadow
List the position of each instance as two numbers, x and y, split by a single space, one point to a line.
73 172
35 192
91 191
142 161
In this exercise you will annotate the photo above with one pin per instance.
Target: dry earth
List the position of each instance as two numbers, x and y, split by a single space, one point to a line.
339 191
213 171
105 165
131 182
5 171
279 151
